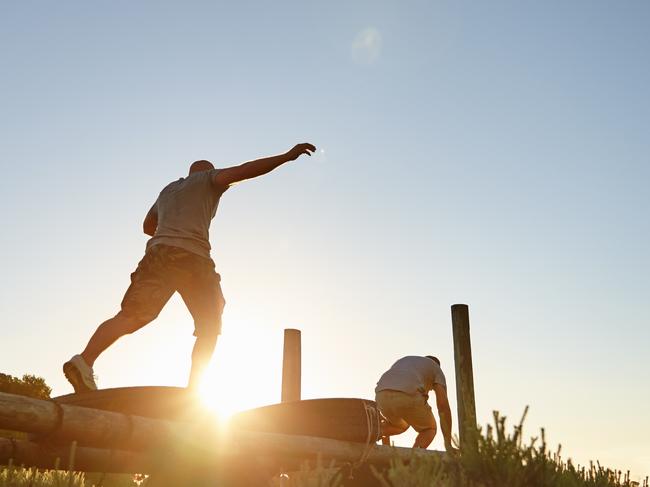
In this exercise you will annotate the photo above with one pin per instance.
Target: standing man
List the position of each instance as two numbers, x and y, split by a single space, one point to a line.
402 393
177 258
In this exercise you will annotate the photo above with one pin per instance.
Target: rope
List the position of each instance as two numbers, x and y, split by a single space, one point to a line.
373 419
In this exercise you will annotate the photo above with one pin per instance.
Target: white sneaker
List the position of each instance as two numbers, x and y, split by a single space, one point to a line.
79 374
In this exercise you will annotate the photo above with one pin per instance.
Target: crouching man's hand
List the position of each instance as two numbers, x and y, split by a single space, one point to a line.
451 448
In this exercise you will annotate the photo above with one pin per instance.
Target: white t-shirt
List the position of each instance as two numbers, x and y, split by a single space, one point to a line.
412 375
185 209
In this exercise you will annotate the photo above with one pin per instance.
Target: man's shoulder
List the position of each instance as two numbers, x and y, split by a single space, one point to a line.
172 185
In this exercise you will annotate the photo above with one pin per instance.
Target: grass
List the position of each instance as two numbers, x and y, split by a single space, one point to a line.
11 476
503 459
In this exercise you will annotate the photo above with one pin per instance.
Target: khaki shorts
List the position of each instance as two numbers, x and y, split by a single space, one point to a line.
404 410
164 270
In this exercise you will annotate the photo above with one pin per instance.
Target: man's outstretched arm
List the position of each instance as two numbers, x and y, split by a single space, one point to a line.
259 167
444 411
151 221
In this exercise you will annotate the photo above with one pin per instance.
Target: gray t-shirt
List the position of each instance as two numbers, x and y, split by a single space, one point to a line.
185 209
412 375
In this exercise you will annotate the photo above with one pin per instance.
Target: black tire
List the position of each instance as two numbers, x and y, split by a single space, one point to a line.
339 419
171 403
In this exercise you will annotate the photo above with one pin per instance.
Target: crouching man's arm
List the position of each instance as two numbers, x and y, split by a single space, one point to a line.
444 411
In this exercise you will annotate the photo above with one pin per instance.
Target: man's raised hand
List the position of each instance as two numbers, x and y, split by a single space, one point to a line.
258 167
300 149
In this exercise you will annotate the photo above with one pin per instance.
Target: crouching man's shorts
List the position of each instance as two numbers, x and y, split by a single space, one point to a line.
404 410
164 270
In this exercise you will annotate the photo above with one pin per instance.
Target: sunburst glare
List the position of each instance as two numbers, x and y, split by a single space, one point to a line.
244 373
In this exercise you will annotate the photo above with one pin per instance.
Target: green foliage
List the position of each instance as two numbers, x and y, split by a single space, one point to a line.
29 385
502 459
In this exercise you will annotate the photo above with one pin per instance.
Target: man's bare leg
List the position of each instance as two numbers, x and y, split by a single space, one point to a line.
424 438
107 333
388 429
201 355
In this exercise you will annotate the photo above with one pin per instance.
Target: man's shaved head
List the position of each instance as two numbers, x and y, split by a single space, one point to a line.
202 165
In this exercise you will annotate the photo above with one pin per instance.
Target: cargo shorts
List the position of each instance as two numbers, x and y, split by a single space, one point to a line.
164 270
404 410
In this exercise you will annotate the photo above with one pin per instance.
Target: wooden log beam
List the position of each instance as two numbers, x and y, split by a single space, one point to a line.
89 427
56 456
310 448
288 451
31 454
195 440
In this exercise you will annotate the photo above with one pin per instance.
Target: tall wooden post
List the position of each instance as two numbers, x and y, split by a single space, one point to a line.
464 378
291 364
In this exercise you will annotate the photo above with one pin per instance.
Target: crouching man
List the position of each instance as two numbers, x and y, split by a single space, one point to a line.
402 394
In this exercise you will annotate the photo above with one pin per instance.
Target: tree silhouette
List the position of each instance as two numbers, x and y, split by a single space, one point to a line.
29 385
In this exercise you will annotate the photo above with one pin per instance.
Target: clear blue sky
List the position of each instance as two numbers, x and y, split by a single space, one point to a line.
494 154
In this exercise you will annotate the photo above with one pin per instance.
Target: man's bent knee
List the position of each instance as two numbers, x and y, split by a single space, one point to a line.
402 427
424 438
430 430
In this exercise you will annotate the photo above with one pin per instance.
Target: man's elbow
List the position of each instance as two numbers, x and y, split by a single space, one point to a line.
149 229
443 406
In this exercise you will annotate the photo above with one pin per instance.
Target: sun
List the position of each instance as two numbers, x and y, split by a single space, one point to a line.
244 373
214 394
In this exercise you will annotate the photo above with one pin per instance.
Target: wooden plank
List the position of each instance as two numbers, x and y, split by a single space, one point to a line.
291 366
467 427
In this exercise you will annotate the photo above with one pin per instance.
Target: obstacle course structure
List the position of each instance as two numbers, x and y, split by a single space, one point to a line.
162 430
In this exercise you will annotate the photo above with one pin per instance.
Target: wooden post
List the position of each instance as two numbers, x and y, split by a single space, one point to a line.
291 361
467 428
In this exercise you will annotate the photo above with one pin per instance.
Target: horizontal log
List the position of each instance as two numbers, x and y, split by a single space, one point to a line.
310 448
30 454
197 440
89 427
86 459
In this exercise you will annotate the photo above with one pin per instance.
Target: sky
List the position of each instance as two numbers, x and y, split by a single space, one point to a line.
493 154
